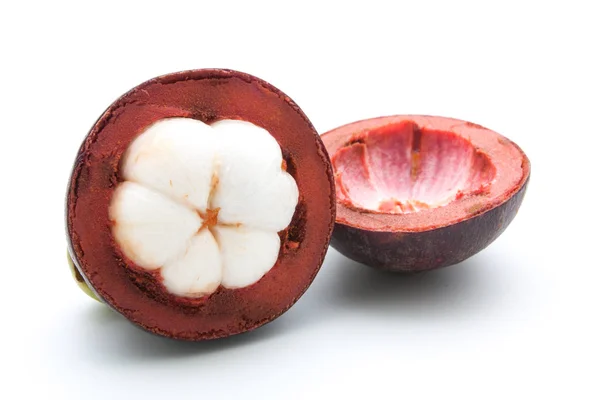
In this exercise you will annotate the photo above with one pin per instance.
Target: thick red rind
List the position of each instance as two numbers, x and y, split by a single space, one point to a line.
208 95
432 238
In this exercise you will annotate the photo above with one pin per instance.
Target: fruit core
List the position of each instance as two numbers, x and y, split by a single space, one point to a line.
202 205
404 168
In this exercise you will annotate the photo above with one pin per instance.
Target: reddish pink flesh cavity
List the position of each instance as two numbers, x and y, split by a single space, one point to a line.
401 168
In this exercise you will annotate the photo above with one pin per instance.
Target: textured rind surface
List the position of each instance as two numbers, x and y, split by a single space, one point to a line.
388 242
427 250
208 95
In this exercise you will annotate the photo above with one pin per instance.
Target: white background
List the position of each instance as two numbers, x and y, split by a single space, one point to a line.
518 320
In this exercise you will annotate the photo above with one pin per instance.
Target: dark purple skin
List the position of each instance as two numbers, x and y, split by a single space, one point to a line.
427 250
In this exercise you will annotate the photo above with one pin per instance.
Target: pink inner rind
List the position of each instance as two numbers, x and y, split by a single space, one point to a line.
404 168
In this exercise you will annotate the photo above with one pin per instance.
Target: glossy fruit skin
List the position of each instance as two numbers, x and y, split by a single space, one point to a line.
409 252
207 95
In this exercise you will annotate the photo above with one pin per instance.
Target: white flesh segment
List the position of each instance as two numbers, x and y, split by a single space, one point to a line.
178 168
175 156
198 271
253 189
247 254
150 228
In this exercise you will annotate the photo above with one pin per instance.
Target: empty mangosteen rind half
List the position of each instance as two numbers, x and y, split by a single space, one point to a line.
421 192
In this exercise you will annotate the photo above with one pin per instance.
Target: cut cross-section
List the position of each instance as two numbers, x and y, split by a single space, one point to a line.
200 205
203 203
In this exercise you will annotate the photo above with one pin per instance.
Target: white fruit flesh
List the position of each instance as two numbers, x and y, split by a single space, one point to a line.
203 204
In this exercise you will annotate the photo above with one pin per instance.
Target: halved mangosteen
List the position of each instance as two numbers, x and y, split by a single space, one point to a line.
416 193
201 204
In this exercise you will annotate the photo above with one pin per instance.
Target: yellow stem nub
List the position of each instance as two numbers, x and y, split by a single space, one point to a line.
79 279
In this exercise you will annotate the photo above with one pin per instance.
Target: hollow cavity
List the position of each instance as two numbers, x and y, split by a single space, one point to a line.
404 168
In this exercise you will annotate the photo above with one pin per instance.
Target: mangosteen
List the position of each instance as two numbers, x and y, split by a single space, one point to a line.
416 193
201 205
